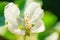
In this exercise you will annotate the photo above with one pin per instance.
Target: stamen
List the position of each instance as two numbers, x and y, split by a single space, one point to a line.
27 24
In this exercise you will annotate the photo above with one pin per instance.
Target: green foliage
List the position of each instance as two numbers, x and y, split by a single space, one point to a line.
2 5
9 35
2 20
49 19
20 3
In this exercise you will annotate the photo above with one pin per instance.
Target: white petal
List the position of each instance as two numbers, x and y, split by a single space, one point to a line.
38 27
31 8
11 12
13 29
38 13
53 36
33 11
19 32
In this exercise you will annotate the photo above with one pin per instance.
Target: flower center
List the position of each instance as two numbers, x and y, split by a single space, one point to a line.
27 24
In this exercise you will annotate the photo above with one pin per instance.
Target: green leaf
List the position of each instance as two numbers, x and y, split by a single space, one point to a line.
20 3
8 35
2 5
2 21
49 19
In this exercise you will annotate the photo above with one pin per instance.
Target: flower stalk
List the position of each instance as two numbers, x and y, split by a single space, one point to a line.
25 37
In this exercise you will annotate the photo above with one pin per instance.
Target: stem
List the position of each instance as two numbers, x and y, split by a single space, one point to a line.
25 37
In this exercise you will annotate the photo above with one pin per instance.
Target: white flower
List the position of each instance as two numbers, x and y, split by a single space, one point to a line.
31 23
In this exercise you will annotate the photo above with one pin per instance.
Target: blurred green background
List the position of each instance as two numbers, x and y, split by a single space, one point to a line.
51 15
